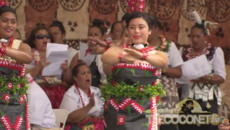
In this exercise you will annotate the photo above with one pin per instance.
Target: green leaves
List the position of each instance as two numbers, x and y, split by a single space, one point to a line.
132 71
117 71
19 85
131 91
147 111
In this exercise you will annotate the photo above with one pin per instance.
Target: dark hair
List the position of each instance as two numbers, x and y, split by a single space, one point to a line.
32 35
113 26
100 28
75 69
97 22
200 26
4 9
59 25
143 15
124 17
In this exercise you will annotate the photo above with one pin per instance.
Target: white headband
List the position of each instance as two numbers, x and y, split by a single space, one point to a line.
207 24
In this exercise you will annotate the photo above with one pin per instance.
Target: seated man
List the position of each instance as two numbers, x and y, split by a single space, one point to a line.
41 114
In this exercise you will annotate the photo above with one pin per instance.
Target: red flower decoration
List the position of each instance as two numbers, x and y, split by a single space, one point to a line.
21 99
19 85
120 120
9 85
3 3
6 98
29 78
114 83
140 88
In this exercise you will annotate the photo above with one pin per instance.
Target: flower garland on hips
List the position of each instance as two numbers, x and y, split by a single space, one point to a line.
131 91
15 85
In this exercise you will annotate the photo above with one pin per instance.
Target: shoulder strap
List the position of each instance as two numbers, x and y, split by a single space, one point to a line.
16 44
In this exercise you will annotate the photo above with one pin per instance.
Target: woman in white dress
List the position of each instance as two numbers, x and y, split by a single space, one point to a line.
205 90
83 101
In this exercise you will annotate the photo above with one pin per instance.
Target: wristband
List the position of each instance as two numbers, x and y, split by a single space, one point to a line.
106 48
145 55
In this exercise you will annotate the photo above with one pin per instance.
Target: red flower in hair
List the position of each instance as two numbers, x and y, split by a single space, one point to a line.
3 3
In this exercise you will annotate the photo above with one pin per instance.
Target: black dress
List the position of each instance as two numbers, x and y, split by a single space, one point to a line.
132 117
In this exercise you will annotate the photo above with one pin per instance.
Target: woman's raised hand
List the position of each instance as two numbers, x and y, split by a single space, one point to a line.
97 41
91 100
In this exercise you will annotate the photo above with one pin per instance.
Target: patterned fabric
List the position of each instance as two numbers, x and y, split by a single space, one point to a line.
171 97
55 94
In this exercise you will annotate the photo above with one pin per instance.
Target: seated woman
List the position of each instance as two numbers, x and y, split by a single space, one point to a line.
83 101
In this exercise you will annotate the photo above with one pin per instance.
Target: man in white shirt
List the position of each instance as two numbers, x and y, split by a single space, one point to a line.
41 114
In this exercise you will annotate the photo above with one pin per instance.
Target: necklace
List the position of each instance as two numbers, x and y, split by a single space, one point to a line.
164 45
89 94
192 55
139 46
10 42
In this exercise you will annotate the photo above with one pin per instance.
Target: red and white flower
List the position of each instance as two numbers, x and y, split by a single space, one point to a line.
21 99
120 120
9 85
19 85
140 88
6 98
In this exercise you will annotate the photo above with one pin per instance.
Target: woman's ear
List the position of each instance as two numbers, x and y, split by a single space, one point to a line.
75 78
150 31
63 36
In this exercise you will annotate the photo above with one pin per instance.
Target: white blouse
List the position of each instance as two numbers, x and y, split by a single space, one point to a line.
41 113
174 56
72 101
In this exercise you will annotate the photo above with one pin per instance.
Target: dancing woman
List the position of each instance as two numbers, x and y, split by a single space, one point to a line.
13 56
134 87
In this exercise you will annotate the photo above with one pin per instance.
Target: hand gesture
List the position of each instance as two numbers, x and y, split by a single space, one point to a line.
64 65
127 58
91 100
92 46
134 53
96 41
